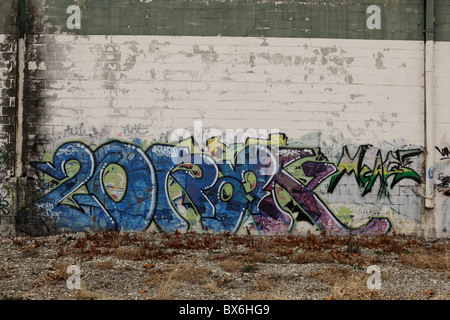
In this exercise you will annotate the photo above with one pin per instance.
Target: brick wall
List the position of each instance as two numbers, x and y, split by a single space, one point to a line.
165 83
319 94
442 141
7 101
352 99
8 47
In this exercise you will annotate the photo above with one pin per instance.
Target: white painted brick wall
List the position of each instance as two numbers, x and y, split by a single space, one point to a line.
363 90
442 92
324 93
442 139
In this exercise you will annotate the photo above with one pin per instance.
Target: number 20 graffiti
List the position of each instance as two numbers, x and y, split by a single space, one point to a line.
120 186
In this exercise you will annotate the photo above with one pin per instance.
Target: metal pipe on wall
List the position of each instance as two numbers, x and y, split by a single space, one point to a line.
18 167
429 104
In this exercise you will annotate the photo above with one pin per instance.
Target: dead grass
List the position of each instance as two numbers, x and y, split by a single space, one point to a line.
102 265
59 273
337 256
157 276
86 294
269 249
178 273
230 265
331 275
352 287
192 275
245 254
171 277
127 253
263 296
264 284
311 257
262 256
347 285
426 260
166 288
211 287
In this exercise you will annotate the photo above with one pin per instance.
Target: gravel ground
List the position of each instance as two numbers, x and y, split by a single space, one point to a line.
192 266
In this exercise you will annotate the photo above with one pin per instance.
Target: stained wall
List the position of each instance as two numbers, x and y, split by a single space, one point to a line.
242 116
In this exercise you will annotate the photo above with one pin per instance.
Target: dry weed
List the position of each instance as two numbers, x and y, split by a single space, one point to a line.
102 265
127 253
426 260
59 273
263 296
352 287
212 287
86 294
347 285
166 279
331 275
157 276
231 265
166 289
311 257
264 284
192 275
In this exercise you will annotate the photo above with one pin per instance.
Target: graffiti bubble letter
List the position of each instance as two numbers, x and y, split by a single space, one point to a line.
374 281
74 281
74 21
374 21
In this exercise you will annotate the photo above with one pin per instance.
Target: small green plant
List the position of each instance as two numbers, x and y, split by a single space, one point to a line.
359 267
249 268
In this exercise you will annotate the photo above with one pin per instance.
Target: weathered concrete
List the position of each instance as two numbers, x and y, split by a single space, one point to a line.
348 104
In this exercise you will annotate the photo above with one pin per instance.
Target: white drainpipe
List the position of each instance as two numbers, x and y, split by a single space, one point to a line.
19 124
18 168
429 105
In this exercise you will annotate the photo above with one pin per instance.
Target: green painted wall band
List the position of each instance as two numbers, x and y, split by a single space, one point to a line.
22 18
8 16
344 19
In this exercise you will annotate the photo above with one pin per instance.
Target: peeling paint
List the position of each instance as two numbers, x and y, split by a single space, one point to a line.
98 86
379 60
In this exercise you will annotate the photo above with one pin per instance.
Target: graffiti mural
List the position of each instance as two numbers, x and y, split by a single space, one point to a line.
444 185
6 190
395 165
5 206
445 152
262 185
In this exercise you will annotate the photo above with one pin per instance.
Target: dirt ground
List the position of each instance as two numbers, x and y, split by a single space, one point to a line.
193 266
